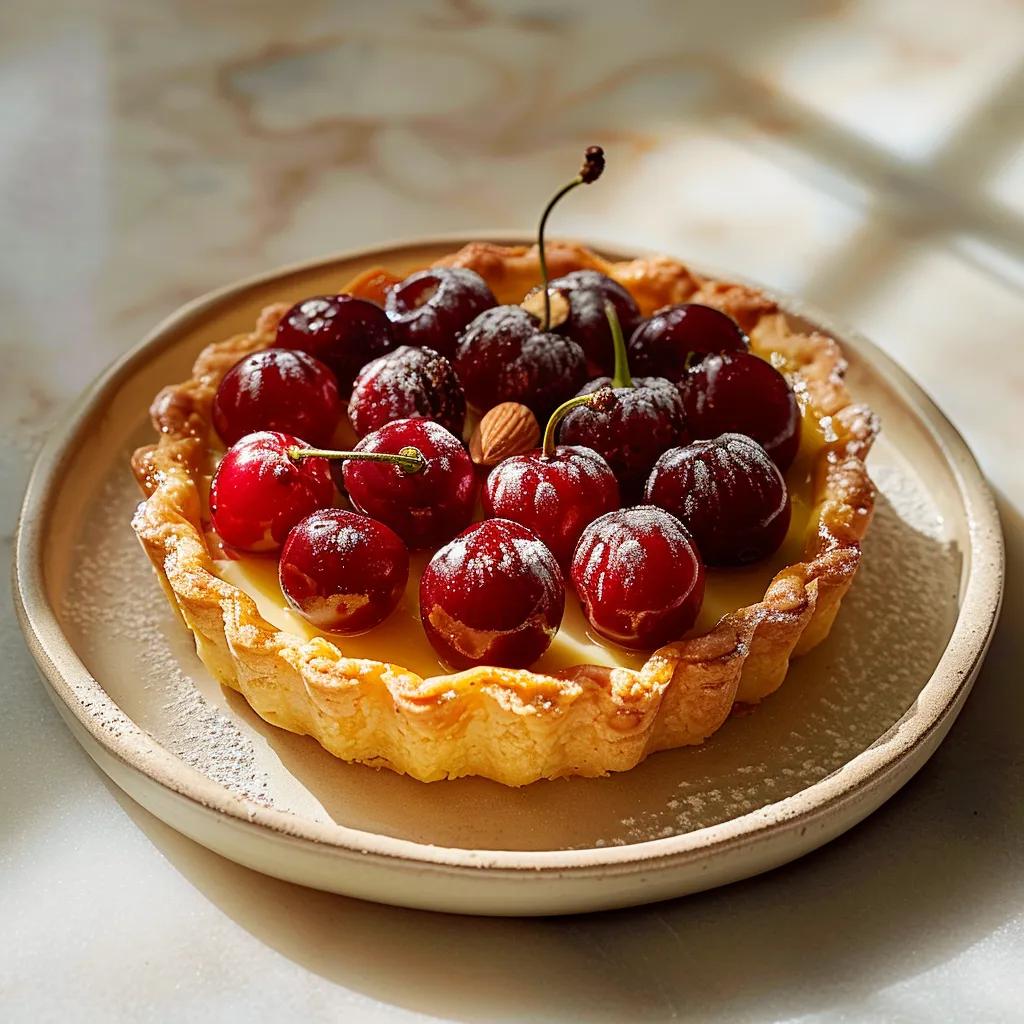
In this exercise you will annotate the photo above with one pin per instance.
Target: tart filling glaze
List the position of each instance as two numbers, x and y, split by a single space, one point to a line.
558 718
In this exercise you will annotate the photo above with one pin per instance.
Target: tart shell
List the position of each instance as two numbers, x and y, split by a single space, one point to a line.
512 725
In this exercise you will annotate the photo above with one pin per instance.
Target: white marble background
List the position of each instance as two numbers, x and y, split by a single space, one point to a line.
867 154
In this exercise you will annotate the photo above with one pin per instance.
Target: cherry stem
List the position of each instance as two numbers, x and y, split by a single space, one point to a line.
408 460
621 378
593 165
548 444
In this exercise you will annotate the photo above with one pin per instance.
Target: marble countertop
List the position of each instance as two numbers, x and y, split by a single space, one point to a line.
866 155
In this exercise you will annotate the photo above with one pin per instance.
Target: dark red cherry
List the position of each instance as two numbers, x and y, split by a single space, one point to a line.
492 596
343 572
675 337
587 291
504 357
259 493
277 389
424 508
342 331
736 392
639 577
431 307
645 419
406 383
729 495
554 491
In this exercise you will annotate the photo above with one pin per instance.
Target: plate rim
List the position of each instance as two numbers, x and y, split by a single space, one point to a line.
938 699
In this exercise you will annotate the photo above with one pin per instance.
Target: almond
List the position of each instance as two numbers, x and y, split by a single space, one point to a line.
534 303
507 429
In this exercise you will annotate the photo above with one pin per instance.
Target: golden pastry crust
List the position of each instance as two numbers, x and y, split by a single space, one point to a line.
512 725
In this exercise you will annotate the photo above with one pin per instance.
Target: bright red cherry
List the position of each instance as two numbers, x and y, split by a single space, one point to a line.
406 383
259 492
729 495
503 356
277 389
639 577
492 596
432 307
736 392
554 491
343 572
427 506
340 330
645 419
586 292
675 337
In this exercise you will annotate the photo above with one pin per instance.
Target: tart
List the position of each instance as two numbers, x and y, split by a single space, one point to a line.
516 725
689 523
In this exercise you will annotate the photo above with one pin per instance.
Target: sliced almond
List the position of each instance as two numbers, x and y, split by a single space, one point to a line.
507 429
534 303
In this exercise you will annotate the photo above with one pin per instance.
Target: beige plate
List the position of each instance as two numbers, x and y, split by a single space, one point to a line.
853 722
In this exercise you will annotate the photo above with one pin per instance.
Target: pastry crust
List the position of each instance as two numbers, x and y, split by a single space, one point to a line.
513 725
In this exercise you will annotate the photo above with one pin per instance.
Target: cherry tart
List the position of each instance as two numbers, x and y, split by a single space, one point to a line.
547 682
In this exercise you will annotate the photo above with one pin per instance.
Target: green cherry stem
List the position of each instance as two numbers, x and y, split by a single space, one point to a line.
601 397
621 378
593 165
408 460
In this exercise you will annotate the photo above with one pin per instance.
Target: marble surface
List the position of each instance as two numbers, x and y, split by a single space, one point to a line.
867 155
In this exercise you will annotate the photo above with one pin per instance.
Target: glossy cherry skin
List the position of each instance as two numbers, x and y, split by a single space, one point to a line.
258 493
639 577
277 389
675 337
425 508
343 572
406 383
736 392
340 330
492 596
504 357
728 494
553 498
644 421
587 324
431 307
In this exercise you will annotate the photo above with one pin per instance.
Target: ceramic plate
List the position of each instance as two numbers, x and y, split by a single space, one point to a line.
853 722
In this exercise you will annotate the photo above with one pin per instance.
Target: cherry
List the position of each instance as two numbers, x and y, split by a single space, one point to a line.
340 330
554 491
645 419
586 292
259 492
677 336
414 476
729 495
432 306
639 577
492 596
736 392
509 355
277 389
406 383
504 357
343 572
